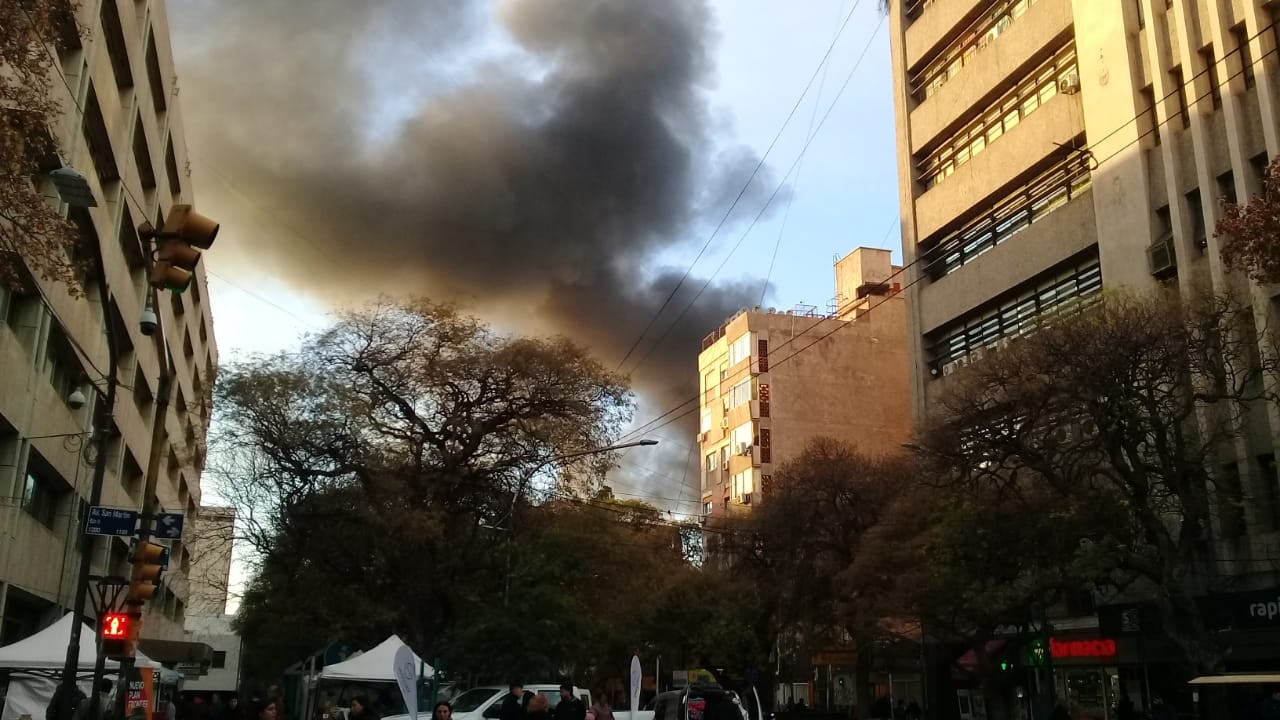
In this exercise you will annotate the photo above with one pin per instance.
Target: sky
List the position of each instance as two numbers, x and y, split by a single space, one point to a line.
551 165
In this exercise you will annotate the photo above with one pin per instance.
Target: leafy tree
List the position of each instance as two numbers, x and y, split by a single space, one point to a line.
806 536
371 467
1250 232
1129 410
32 231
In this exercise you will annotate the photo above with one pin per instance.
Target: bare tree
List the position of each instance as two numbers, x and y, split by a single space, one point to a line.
1132 405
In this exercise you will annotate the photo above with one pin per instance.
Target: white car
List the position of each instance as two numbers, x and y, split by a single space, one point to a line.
485 703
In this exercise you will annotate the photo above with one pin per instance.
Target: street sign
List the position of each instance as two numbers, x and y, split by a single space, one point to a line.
168 526
110 521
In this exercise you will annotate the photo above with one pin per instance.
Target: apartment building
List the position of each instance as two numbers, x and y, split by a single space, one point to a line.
122 130
1048 149
207 621
773 380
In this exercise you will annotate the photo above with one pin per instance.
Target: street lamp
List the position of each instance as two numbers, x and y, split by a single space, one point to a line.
527 477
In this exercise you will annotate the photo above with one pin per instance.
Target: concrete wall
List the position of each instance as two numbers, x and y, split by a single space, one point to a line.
37 561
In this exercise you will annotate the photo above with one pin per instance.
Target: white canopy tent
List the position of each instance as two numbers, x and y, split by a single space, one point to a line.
46 651
375 665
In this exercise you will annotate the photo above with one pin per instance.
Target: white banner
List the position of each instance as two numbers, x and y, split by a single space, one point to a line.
406 671
636 678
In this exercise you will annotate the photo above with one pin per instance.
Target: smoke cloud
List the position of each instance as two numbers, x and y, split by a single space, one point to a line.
529 154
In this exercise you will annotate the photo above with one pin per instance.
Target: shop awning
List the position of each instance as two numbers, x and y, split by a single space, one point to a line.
1238 679
177 651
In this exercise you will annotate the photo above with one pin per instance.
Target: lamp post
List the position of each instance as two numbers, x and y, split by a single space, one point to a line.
527 477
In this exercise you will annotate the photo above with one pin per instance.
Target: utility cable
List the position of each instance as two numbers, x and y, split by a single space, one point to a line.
741 193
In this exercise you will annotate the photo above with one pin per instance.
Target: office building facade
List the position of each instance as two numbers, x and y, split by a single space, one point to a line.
122 129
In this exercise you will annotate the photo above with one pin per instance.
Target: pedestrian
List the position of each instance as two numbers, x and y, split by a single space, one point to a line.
600 707
361 709
537 708
570 706
1271 706
513 703
442 711
276 697
265 710
233 708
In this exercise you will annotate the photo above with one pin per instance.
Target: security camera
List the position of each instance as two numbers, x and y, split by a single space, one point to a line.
76 399
149 322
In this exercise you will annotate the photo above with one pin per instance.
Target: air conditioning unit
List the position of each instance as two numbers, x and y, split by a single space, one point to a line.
1161 258
724 423
1069 84
977 355
948 368
702 437
724 464
744 448
746 498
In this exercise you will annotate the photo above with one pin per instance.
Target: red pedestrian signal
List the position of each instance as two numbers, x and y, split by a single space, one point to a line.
115 626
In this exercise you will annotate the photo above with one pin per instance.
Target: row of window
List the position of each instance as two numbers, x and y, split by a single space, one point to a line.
964 49
1003 115
1064 291
1006 217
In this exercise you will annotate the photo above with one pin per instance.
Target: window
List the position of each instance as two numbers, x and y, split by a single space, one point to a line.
1245 56
98 140
740 349
708 507
743 483
116 48
744 434
965 50
1005 217
709 383
1211 64
1195 209
154 78
706 420
142 154
1180 83
1227 187
219 659
1002 116
724 457
61 362
740 394
1064 291
171 169
40 497
1148 124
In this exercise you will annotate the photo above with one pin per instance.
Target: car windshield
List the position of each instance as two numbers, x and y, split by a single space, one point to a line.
471 700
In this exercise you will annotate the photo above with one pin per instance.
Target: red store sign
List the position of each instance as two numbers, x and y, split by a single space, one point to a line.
1066 649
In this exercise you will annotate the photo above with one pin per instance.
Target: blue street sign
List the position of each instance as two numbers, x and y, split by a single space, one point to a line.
110 521
164 559
168 526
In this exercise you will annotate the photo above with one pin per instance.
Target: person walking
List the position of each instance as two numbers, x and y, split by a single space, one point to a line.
442 711
513 705
601 709
570 706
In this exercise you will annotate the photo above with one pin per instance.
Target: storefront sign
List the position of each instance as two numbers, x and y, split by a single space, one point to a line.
1065 649
1256 609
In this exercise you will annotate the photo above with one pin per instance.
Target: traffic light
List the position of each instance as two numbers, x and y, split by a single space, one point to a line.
178 245
119 632
146 558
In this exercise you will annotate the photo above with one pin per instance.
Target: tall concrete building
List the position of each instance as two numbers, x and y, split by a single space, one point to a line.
211 540
771 381
1048 149
122 129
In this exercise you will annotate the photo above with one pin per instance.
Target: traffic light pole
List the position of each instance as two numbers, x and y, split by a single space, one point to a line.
159 435
71 664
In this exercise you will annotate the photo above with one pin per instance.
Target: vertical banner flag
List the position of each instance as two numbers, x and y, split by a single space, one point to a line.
636 677
407 678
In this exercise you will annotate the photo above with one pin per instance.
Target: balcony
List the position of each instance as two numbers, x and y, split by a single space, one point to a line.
932 28
1058 122
1046 25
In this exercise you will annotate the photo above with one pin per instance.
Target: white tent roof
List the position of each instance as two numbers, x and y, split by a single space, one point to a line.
376 665
47 650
